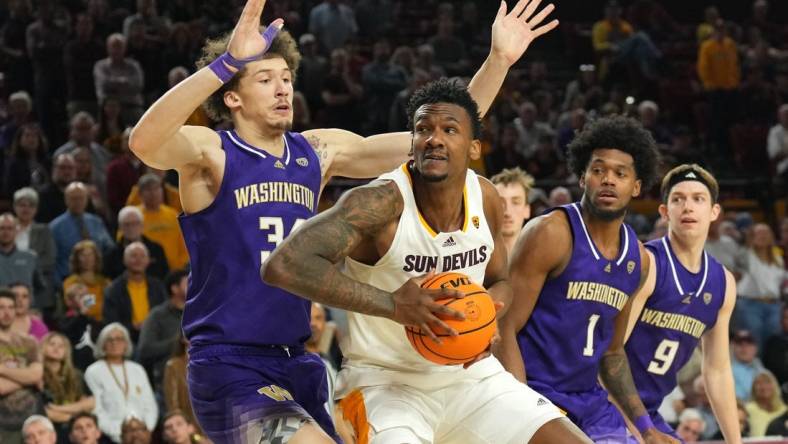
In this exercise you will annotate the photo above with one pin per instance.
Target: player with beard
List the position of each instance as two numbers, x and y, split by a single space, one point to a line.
243 191
572 273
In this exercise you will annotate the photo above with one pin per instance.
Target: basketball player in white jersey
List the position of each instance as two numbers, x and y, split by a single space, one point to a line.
432 214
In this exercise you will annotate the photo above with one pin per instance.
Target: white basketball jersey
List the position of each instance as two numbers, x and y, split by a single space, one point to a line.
377 350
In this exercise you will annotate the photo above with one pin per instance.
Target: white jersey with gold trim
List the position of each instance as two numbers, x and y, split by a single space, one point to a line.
377 350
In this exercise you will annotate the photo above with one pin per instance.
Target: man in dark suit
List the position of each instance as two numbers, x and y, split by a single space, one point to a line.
130 297
130 222
36 237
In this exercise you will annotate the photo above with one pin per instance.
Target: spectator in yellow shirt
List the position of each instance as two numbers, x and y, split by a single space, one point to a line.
85 264
130 297
171 196
161 222
718 70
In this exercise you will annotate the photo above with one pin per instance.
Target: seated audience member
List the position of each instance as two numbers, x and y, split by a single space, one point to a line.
766 404
171 195
119 385
161 222
35 237
691 425
123 172
64 391
38 429
161 328
83 429
16 265
176 393
744 363
130 222
130 297
134 431
52 195
20 373
75 225
85 265
25 322
77 326
177 429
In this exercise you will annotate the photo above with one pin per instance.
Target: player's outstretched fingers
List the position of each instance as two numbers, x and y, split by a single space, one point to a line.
537 19
519 7
445 293
529 10
271 31
445 311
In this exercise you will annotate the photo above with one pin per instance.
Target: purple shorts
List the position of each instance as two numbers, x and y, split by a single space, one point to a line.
592 412
235 389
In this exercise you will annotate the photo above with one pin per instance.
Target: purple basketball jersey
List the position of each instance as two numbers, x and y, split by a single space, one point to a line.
573 321
682 308
262 199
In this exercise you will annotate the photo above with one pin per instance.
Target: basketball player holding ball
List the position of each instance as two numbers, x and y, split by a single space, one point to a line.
245 190
572 272
430 214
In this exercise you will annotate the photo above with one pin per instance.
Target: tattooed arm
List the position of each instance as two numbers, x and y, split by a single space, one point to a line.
358 218
615 372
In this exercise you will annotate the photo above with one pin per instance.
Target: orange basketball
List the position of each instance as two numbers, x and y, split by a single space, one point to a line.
475 331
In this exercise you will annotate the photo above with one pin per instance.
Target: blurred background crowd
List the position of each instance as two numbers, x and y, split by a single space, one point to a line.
92 261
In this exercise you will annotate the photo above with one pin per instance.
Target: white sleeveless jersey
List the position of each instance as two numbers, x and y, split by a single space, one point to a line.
377 351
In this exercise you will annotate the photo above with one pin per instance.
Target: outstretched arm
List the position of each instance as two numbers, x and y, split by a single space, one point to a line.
614 370
540 249
160 138
313 250
717 373
346 154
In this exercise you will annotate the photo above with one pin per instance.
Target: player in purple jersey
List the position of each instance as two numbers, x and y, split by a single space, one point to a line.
690 297
243 191
572 272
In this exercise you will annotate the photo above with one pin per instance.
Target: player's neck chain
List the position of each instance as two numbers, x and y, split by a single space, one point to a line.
125 387
676 276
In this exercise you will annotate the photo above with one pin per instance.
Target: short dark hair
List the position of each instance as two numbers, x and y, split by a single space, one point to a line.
79 416
6 292
174 278
619 133
446 91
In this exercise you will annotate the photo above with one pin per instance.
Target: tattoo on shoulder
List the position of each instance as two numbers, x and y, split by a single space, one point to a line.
372 206
321 150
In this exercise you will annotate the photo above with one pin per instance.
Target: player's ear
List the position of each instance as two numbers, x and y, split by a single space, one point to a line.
663 211
232 99
410 152
476 149
636 189
582 181
715 211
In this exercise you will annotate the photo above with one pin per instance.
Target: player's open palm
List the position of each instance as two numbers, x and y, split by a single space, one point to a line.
246 40
514 31
416 306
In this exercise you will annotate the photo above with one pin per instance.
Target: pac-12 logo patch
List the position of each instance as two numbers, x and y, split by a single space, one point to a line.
302 161
707 298
630 267
475 221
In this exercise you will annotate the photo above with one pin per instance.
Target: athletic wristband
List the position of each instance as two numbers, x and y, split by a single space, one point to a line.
643 423
220 65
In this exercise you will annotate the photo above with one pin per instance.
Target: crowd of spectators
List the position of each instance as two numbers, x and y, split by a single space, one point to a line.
92 259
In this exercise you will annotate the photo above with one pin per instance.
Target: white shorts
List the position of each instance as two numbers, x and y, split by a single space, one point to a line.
494 410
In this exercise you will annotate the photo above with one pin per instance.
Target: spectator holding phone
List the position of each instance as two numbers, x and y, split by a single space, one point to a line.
77 326
85 264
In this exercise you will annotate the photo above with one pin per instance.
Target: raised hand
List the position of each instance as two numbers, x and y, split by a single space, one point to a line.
246 40
415 306
514 31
